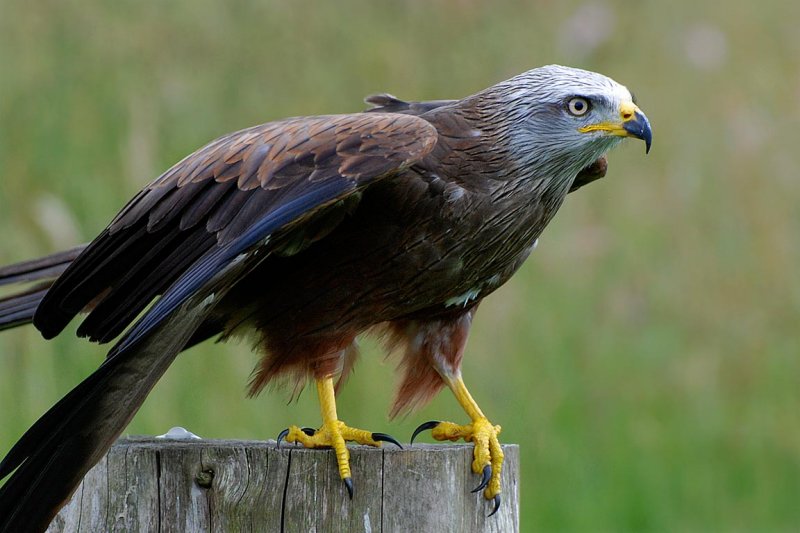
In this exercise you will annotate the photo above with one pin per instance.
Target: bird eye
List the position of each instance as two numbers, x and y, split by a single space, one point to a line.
578 106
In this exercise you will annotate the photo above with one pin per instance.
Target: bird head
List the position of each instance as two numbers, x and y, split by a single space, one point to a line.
561 119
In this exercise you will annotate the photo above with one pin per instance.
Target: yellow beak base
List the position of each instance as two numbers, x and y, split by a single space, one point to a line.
633 123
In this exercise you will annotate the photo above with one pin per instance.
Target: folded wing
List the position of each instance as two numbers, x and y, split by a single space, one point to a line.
220 202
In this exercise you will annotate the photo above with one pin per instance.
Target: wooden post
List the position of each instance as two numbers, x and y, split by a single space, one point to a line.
147 484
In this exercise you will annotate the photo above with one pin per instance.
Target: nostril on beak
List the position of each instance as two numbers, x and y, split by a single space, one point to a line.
627 115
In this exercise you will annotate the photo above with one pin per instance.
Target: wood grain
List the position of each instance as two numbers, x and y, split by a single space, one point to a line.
147 484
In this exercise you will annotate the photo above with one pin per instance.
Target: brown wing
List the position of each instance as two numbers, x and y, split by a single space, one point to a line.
280 172
593 172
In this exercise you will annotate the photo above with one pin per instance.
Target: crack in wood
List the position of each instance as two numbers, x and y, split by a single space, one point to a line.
285 490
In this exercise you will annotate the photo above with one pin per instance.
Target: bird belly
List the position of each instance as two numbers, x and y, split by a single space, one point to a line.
393 260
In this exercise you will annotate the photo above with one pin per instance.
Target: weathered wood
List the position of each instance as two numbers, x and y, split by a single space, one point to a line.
147 484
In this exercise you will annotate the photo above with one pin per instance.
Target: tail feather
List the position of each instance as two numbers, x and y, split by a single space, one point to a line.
49 266
47 464
52 457
18 308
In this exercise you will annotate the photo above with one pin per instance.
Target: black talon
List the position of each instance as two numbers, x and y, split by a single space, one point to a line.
281 436
348 482
308 431
423 427
496 505
383 437
487 476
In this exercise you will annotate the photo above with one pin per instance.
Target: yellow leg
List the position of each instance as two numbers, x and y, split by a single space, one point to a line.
333 433
481 432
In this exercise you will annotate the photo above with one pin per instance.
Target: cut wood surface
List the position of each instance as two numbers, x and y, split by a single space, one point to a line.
147 484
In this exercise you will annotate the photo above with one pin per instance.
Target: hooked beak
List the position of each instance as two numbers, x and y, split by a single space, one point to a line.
637 125
633 123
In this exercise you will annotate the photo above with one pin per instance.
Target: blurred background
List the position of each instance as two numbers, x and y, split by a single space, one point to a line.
646 358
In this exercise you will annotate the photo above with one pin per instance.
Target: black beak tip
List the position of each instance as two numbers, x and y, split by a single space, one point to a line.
639 127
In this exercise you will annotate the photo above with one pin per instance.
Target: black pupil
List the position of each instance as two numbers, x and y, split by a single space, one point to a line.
578 105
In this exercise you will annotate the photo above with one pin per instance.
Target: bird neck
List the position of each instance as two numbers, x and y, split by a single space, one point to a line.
483 145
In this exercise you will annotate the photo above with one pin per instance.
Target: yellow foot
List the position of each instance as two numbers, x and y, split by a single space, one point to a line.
487 455
334 434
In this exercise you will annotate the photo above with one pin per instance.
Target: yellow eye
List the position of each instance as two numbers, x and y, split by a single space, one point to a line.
578 106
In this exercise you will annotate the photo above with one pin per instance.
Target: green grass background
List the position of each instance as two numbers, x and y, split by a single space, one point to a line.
646 357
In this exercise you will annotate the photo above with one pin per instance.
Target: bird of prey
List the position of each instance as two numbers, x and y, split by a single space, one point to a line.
305 233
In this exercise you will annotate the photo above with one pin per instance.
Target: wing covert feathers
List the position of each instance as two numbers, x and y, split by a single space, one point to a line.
214 196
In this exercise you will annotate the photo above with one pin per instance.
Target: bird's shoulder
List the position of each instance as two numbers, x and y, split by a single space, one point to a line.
294 153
